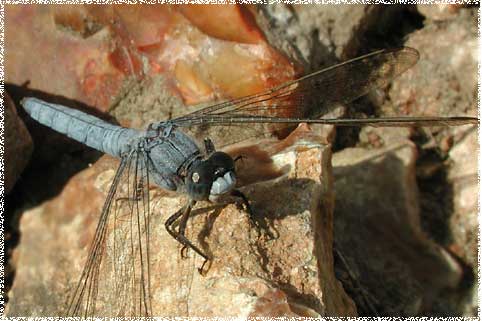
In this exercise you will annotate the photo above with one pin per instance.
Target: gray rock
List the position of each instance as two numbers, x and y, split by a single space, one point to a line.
377 230
444 81
463 223
323 34
462 174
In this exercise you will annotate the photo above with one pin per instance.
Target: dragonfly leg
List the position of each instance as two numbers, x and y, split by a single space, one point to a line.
184 252
182 231
239 157
170 221
260 225
179 235
209 146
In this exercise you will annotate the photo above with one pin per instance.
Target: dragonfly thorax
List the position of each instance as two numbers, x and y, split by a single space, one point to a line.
210 178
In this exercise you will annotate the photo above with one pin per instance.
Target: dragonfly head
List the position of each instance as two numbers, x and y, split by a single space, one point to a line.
210 178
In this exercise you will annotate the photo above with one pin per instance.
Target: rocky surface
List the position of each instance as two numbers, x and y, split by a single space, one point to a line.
419 276
462 175
101 52
378 231
291 275
440 12
443 82
463 223
404 200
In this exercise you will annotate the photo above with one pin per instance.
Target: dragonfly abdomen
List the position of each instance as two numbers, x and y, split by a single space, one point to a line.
84 128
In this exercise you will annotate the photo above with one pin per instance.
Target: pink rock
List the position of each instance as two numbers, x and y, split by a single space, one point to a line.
250 275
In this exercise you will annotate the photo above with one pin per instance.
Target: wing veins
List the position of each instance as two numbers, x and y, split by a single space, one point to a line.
324 76
98 241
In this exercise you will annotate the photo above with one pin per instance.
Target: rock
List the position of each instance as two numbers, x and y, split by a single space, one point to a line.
312 35
52 238
101 52
249 276
377 230
342 31
444 81
439 12
394 268
18 144
463 223
462 174
52 61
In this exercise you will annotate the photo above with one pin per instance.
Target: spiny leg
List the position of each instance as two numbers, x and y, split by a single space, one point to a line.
179 236
209 146
182 230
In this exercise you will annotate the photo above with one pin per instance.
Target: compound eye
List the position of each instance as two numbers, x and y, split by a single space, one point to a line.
222 162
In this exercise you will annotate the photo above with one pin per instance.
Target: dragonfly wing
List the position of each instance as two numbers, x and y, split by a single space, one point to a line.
308 97
229 133
115 280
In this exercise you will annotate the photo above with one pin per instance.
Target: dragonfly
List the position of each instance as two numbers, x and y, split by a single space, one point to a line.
174 155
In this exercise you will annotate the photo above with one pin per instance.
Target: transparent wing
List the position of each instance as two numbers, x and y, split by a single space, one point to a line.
115 280
307 99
